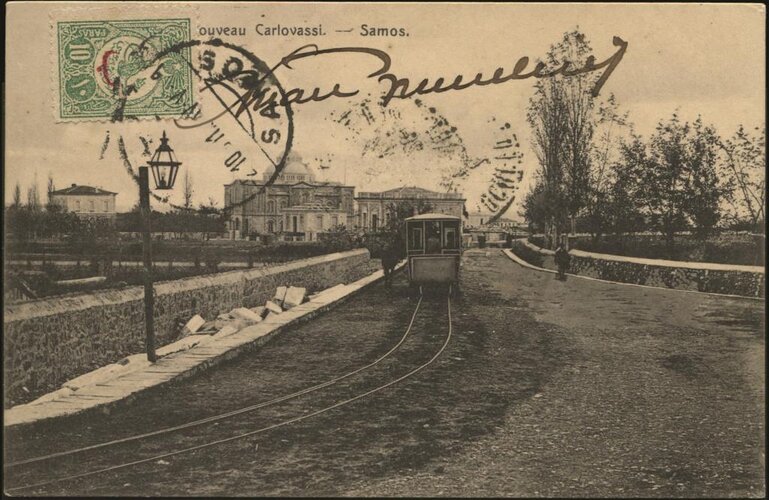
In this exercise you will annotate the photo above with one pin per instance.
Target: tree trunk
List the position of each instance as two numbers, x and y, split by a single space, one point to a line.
670 242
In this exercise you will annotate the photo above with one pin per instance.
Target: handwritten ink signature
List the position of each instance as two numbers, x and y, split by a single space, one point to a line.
259 98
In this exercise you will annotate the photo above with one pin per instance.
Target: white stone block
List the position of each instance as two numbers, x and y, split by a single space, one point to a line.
246 314
193 325
273 307
99 375
280 295
51 396
196 340
134 362
261 311
179 345
333 289
227 330
294 297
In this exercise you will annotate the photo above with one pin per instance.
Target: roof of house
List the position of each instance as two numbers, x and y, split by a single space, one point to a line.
74 189
432 216
411 192
312 207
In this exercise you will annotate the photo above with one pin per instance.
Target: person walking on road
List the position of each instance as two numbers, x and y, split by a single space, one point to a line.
562 259
390 259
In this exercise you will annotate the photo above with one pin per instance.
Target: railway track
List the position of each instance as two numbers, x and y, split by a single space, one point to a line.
336 382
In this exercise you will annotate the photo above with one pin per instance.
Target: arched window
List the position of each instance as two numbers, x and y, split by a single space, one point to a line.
282 204
237 224
271 206
270 226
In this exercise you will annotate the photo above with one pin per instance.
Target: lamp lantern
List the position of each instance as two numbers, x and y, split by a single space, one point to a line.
164 165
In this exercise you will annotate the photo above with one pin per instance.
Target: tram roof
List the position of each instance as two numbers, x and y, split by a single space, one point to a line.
432 216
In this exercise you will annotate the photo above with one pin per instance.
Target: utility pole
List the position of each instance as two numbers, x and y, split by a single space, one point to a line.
149 299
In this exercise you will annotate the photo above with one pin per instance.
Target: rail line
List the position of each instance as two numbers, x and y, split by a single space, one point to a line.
226 415
242 411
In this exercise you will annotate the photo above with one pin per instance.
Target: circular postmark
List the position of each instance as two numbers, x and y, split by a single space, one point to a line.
239 86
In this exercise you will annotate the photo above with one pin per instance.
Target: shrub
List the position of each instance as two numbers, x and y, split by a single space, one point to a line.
527 254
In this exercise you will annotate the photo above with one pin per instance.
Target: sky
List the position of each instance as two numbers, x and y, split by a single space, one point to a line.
703 60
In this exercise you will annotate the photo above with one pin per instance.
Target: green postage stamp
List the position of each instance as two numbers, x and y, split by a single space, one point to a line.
112 68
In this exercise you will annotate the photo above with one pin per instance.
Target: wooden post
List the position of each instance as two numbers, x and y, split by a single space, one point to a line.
149 299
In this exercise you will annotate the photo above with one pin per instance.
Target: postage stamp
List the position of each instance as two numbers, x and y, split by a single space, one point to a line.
106 64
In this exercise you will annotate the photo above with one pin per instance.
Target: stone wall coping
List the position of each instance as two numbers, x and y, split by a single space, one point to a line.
77 302
710 266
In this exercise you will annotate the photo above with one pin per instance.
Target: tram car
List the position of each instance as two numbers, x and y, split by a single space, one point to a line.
434 249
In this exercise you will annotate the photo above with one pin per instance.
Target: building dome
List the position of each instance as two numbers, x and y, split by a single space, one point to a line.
295 170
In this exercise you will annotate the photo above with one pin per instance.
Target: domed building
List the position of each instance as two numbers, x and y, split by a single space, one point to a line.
294 206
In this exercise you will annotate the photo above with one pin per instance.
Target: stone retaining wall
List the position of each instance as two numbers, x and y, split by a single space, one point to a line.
727 279
50 341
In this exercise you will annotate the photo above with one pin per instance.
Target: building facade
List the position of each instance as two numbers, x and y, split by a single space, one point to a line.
373 210
86 201
295 206
481 219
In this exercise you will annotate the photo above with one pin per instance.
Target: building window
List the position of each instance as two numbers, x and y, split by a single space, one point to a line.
282 204
320 222
365 219
106 206
270 226
77 205
271 206
334 220
237 224
91 206
374 221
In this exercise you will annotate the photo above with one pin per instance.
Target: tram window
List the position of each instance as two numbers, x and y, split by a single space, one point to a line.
451 238
416 238
433 237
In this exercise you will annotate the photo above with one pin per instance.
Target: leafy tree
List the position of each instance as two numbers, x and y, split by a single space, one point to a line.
604 182
745 171
210 209
398 212
673 177
539 211
624 210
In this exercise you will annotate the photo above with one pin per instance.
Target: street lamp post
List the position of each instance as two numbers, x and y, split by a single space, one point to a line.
164 169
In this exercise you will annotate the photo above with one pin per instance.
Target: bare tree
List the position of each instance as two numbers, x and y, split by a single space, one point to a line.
33 195
51 188
561 115
17 196
188 191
